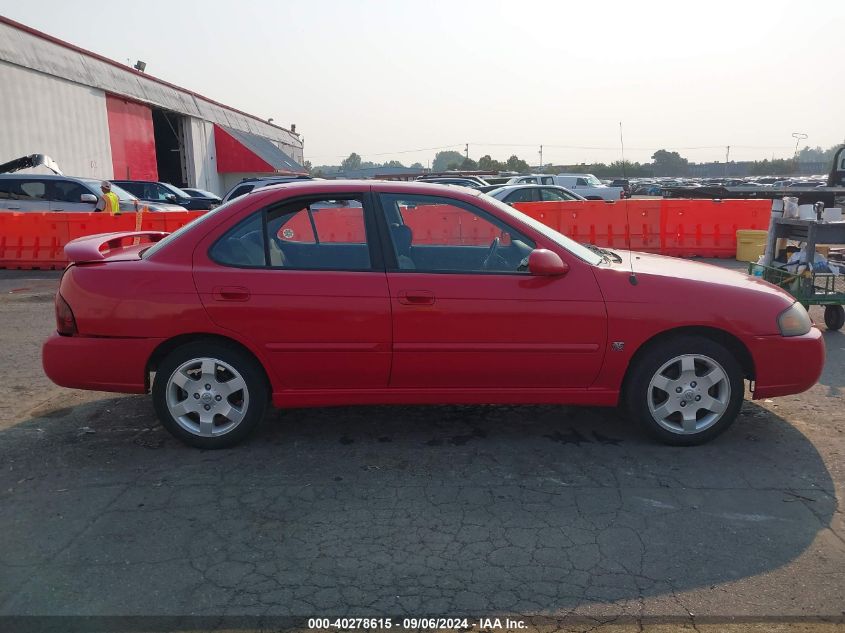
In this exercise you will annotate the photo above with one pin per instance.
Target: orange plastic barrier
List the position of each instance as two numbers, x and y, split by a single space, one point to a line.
707 228
36 240
615 224
686 228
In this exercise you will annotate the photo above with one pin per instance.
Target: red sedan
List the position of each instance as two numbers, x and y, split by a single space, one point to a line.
339 293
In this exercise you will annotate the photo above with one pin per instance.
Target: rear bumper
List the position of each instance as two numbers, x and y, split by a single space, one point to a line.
787 365
98 364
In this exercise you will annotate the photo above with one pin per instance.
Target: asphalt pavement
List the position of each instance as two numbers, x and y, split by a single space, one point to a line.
556 516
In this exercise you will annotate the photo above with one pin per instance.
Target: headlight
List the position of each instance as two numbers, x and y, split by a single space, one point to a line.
794 321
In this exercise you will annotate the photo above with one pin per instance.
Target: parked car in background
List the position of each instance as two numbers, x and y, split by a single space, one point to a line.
588 186
163 192
460 182
439 178
624 183
646 189
24 192
201 193
532 179
249 184
510 194
414 293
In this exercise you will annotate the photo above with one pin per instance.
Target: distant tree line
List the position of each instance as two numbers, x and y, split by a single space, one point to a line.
663 163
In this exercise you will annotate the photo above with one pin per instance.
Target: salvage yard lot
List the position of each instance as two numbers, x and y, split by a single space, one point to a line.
386 511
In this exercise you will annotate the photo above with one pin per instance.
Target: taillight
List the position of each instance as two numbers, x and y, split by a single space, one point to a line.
65 323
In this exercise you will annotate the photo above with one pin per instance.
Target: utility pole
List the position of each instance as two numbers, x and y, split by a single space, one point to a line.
727 159
466 149
541 158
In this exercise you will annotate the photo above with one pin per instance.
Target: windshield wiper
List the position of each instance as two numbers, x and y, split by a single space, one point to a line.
604 253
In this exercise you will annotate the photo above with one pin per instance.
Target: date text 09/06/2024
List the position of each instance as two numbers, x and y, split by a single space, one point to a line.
462 624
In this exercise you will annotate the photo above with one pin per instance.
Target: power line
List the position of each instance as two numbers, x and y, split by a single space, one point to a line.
554 146
401 151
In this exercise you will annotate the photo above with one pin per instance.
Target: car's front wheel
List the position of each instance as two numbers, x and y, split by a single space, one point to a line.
685 390
210 395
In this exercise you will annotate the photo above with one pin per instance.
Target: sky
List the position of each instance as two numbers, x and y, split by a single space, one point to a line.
401 80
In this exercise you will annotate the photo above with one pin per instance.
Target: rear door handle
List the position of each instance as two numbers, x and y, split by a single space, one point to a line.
230 293
416 297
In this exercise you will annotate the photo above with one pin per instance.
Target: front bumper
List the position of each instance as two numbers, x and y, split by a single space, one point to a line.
787 365
98 364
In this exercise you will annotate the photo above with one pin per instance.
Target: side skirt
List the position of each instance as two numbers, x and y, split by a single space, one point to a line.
349 397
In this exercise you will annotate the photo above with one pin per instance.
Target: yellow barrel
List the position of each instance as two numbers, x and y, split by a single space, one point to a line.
750 245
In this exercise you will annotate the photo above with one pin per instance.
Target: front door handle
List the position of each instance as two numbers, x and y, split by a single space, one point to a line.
416 297
230 293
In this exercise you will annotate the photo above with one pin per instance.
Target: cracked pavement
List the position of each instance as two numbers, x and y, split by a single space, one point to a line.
391 511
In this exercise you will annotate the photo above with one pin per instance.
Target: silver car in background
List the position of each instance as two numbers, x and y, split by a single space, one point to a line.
510 194
31 192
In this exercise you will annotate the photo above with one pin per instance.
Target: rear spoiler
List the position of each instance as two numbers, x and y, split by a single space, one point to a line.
92 248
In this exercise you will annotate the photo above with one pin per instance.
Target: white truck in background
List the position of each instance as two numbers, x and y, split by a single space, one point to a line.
585 185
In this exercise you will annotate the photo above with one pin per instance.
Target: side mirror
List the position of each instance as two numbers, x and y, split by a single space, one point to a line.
171 197
88 197
546 263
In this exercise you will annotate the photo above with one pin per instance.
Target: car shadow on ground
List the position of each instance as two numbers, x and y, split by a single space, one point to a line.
394 510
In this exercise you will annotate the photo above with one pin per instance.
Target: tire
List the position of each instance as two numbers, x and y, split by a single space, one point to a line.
834 317
669 392
210 395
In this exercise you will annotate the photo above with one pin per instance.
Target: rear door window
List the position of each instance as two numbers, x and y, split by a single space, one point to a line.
312 234
319 234
34 190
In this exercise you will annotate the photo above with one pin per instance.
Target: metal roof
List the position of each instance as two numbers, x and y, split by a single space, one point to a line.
29 48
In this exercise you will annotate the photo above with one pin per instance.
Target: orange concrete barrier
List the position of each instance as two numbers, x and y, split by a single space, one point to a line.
36 240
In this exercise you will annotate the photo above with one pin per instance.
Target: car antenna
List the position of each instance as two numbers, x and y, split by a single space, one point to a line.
633 277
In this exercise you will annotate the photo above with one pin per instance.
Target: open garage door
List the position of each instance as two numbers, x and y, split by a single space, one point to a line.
169 129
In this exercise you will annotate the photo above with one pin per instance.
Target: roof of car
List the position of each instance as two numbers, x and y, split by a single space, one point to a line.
46 177
415 186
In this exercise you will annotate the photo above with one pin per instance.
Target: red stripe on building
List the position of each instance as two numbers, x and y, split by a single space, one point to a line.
234 158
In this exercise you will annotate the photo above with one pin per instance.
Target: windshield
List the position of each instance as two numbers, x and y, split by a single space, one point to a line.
572 246
172 236
175 190
595 182
122 194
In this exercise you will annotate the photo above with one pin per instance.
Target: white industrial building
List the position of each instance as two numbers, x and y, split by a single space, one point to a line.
99 118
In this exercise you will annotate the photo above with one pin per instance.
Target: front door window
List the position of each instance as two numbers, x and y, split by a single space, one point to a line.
443 235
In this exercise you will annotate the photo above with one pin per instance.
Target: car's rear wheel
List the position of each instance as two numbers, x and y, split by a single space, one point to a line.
685 390
210 395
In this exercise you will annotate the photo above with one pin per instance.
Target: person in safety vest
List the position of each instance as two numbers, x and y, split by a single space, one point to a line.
109 201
